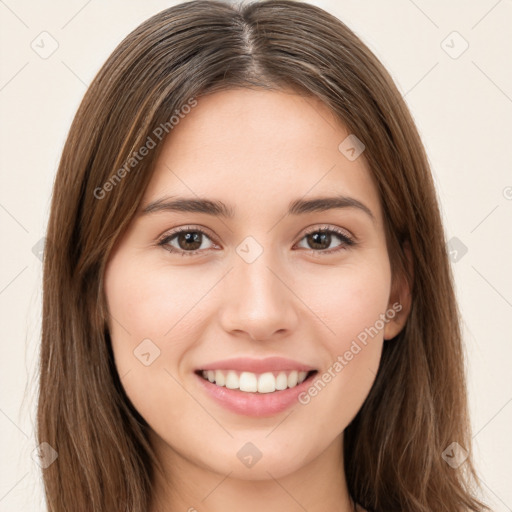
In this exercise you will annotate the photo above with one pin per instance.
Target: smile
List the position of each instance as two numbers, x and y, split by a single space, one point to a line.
249 382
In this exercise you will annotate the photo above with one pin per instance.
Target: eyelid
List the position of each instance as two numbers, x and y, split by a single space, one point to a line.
328 227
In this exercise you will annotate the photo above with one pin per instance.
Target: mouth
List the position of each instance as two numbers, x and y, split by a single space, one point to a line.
256 383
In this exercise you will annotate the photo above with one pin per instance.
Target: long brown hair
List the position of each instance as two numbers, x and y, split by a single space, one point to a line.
417 406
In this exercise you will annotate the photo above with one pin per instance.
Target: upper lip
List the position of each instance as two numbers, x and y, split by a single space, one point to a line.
269 364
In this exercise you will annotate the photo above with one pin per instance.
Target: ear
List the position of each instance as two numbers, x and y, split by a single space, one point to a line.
400 299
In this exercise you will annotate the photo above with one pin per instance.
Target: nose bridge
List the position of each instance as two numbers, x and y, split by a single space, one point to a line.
257 300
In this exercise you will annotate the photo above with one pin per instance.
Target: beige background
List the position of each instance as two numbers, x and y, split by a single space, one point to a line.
463 109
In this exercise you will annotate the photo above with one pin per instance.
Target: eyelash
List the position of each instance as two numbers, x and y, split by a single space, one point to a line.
346 240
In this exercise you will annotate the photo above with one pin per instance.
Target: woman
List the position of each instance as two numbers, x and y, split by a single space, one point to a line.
247 299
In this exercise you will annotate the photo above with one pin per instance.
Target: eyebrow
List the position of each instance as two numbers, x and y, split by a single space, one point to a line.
219 209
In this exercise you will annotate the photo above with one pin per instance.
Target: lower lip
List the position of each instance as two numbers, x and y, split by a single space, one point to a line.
255 404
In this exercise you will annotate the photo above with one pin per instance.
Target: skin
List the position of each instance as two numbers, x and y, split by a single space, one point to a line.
256 151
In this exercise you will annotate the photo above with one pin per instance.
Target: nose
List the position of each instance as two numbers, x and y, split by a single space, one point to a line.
258 301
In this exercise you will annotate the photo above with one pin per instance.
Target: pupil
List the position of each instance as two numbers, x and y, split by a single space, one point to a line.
319 240
191 237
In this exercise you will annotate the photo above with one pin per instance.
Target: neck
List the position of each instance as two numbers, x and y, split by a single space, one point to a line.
317 486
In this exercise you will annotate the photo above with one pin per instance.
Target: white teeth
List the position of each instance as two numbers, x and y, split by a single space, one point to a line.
282 381
251 382
292 379
232 380
248 382
266 383
219 378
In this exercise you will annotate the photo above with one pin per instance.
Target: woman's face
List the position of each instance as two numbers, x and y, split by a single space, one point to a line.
265 270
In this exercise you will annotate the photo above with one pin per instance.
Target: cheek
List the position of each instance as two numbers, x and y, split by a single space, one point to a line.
351 302
151 330
152 301
352 313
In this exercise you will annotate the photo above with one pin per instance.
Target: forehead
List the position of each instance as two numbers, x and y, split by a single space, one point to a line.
259 149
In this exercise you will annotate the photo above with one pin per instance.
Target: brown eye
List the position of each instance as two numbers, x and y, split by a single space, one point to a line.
186 241
189 241
320 240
